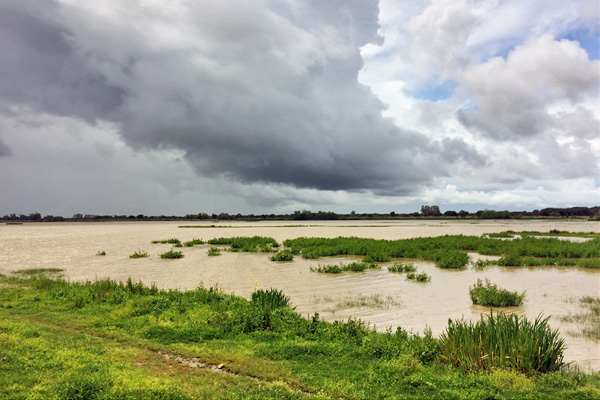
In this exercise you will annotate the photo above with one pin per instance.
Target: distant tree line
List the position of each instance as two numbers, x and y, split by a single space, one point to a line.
427 211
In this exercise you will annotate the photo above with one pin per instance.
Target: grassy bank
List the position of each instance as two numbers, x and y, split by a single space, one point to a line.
125 340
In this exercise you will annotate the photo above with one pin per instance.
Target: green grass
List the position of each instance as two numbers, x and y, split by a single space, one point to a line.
422 277
490 295
399 267
173 241
214 251
38 271
503 341
337 269
450 251
171 254
480 264
140 254
193 242
247 244
107 339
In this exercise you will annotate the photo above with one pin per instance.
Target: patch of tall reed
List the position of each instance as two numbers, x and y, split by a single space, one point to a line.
503 341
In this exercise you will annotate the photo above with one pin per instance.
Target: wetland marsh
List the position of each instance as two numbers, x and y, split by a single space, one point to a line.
375 296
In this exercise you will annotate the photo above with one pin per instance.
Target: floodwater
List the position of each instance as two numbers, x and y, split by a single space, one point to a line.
384 300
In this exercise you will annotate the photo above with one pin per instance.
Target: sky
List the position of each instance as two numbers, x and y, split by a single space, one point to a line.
271 106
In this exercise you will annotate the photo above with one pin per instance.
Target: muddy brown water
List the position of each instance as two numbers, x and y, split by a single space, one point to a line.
384 300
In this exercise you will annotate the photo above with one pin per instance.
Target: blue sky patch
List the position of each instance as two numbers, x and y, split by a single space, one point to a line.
589 41
434 91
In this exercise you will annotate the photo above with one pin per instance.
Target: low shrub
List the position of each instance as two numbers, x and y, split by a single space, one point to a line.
171 254
452 260
490 295
101 253
283 255
503 341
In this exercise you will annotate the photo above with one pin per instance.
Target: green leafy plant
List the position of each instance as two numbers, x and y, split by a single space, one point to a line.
422 277
214 251
492 296
171 254
283 255
399 267
101 253
193 242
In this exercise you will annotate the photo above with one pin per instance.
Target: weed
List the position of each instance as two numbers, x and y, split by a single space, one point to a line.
354 266
193 242
171 254
214 251
422 277
481 264
101 253
399 267
139 254
491 296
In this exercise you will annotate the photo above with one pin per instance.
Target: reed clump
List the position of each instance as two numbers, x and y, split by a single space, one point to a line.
491 296
503 341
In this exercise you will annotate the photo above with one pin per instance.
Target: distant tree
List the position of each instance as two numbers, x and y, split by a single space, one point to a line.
450 213
35 216
463 213
430 211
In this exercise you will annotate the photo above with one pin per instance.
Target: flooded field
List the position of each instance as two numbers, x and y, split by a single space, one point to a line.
381 298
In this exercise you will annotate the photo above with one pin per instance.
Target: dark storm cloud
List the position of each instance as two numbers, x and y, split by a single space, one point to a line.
5 151
39 68
259 92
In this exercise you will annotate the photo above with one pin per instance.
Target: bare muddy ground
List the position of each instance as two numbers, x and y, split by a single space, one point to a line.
383 299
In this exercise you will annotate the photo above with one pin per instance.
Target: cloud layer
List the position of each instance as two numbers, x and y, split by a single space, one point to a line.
268 101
